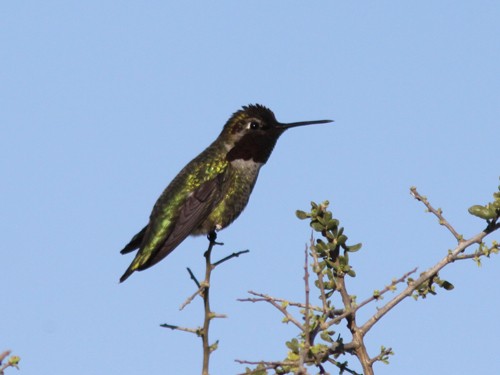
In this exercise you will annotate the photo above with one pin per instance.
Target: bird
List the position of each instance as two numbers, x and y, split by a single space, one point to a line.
212 190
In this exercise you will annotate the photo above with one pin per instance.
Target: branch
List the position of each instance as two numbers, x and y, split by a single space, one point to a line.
374 297
233 255
265 365
206 303
192 296
343 367
173 327
384 353
273 302
193 277
319 274
438 213
264 298
360 350
307 334
203 290
431 272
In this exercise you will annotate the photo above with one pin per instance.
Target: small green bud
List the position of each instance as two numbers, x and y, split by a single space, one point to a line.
14 361
447 285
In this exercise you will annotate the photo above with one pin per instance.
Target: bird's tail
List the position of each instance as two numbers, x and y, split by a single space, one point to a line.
135 242
127 273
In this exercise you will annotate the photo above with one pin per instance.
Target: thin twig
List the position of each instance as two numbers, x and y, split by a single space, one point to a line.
196 331
388 288
4 355
383 354
193 277
467 256
307 334
438 213
201 288
199 292
233 255
492 250
265 297
272 301
218 316
342 367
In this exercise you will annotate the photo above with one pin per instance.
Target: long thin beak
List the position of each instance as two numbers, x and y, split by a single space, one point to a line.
301 123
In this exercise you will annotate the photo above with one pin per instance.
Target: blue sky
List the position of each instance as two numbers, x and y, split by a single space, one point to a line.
103 102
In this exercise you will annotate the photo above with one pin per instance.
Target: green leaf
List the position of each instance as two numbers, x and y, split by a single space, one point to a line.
325 335
319 348
354 248
331 246
292 356
293 345
342 239
302 215
321 220
343 260
214 346
331 234
486 213
259 370
317 226
446 285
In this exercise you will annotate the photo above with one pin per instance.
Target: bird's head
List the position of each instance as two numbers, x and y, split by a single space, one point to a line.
252 132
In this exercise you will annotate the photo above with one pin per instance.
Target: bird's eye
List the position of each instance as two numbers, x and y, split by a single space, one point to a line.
253 125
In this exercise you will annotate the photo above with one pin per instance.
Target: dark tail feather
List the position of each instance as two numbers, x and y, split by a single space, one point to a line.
127 273
135 242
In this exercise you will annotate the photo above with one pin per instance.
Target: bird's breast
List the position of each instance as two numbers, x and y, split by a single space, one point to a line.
235 191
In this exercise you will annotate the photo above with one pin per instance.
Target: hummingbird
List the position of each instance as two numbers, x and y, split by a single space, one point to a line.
212 190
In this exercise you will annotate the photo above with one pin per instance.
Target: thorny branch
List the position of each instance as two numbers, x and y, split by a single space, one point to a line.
265 297
329 316
204 292
307 339
376 296
452 256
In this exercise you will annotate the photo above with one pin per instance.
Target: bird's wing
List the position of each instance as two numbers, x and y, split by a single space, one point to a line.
194 211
